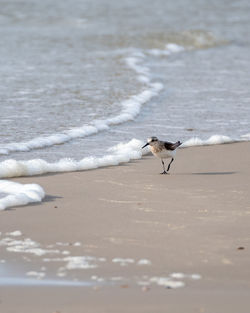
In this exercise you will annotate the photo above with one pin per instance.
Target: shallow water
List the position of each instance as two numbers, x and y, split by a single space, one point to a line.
25 282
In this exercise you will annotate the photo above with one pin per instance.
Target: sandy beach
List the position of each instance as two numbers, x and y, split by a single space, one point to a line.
190 227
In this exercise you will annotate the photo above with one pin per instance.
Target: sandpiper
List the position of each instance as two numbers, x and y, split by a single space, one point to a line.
163 150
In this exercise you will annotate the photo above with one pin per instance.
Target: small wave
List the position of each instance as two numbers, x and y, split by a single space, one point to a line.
170 48
121 153
213 140
130 109
246 137
19 194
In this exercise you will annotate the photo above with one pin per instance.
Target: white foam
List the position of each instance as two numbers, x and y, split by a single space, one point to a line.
170 48
62 243
97 279
19 194
213 140
38 275
80 262
123 262
77 244
167 282
65 252
195 276
246 137
158 52
144 262
25 246
177 275
15 233
121 153
77 262
174 48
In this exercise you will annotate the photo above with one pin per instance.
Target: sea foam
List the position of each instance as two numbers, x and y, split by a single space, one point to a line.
246 137
19 194
170 48
121 153
213 140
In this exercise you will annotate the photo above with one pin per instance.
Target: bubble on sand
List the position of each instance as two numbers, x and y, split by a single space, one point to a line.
77 244
177 275
144 262
15 233
38 275
123 262
195 276
167 282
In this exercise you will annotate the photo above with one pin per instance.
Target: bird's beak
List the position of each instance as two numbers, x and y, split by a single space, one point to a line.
145 145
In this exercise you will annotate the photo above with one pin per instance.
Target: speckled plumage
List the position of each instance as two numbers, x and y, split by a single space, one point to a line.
163 150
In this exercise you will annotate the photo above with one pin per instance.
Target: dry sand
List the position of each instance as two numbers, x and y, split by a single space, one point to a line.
192 221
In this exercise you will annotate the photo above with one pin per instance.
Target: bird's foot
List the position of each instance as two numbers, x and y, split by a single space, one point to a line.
164 172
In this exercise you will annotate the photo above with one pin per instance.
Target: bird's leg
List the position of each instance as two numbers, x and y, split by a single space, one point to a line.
164 171
170 164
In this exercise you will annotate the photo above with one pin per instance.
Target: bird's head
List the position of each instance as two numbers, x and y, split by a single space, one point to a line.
150 141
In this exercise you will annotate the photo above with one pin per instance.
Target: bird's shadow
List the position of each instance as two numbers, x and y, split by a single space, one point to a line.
50 198
47 198
214 173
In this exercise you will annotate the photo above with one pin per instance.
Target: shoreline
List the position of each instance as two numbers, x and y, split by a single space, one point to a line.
121 153
134 223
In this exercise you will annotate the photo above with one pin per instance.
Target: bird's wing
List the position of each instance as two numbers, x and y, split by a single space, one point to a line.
171 146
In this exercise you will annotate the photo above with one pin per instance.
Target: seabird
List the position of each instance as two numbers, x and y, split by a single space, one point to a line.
162 150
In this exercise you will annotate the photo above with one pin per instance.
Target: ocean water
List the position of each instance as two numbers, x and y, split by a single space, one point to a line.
84 83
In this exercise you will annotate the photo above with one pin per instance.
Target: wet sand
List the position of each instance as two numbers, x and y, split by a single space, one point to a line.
194 221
